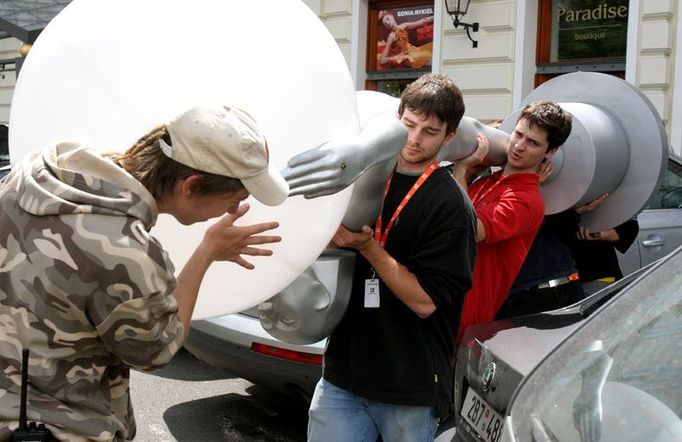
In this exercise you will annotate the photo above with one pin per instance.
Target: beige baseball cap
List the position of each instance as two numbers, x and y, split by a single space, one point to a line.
224 140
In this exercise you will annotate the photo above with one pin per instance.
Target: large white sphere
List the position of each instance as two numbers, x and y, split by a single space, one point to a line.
113 69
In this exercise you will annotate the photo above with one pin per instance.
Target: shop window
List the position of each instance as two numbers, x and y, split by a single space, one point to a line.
393 87
581 35
400 44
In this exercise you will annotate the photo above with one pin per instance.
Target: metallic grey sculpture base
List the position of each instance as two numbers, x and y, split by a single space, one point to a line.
633 149
309 308
368 190
617 145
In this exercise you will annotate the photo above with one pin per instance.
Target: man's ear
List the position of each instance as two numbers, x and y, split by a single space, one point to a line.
550 153
450 137
191 184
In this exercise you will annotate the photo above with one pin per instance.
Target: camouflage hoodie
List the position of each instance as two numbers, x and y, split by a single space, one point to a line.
83 286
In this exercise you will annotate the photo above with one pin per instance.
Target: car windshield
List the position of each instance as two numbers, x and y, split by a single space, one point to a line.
619 378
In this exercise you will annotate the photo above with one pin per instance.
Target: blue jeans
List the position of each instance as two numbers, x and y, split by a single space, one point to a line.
337 415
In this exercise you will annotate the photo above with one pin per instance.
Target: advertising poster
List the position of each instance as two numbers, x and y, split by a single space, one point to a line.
405 38
583 30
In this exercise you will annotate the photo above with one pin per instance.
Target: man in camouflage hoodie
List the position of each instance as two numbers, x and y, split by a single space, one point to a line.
85 286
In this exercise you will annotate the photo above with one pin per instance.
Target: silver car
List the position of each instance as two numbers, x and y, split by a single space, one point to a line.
606 369
239 343
660 223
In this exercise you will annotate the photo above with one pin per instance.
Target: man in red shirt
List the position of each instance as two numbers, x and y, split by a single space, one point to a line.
508 205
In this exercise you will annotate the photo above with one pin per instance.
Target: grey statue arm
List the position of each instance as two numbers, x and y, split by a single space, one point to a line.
464 144
333 166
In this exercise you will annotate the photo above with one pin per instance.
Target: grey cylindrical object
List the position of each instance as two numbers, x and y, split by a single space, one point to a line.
636 133
592 161
618 146
465 143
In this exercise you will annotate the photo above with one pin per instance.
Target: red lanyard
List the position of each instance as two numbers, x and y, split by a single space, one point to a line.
382 237
478 197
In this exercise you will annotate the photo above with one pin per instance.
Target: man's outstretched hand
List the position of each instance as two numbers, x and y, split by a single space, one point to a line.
224 241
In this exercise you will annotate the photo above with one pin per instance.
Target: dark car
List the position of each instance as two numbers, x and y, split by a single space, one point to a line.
606 369
4 150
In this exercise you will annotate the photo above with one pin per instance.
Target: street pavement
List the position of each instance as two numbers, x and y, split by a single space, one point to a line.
190 401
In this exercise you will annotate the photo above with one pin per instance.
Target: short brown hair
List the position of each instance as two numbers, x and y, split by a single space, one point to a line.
158 173
437 95
550 117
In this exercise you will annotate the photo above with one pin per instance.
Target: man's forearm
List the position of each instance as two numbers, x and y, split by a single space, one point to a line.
459 173
399 279
189 281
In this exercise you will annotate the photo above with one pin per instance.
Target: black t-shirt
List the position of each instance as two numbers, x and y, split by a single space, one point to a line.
549 256
389 354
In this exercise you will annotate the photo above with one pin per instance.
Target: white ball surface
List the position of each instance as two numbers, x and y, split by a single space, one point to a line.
112 70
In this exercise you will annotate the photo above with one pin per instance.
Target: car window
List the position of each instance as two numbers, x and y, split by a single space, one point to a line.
623 366
669 195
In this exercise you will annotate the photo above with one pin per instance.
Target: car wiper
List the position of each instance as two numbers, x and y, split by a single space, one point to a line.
593 302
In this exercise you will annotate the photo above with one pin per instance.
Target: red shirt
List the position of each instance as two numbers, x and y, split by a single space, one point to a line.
511 210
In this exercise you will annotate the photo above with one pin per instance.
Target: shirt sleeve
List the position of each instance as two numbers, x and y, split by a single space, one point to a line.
136 317
445 261
627 233
517 212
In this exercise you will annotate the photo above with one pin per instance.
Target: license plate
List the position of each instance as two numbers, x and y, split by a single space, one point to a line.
485 421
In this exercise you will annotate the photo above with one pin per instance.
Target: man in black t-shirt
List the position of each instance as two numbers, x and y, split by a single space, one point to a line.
388 364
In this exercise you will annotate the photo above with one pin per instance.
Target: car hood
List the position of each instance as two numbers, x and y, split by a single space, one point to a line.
521 343
515 347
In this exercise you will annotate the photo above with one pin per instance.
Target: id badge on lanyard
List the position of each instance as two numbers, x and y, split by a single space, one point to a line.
372 296
372 292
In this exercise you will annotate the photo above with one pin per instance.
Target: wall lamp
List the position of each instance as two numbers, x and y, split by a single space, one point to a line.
458 9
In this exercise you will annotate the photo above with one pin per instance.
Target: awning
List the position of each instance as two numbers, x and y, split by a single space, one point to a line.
25 19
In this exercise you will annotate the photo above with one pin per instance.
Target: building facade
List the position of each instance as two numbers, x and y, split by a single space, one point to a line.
508 63
9 49
515 52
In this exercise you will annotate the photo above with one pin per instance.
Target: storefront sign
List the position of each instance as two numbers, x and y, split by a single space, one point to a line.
584 30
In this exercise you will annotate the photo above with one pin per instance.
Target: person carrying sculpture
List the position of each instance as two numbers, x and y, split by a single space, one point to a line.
388 364
548 278
509 207
87 288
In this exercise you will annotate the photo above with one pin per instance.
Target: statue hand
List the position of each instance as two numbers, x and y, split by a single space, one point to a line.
333 166
322 170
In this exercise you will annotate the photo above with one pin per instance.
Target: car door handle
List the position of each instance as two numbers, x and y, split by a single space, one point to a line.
653 241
